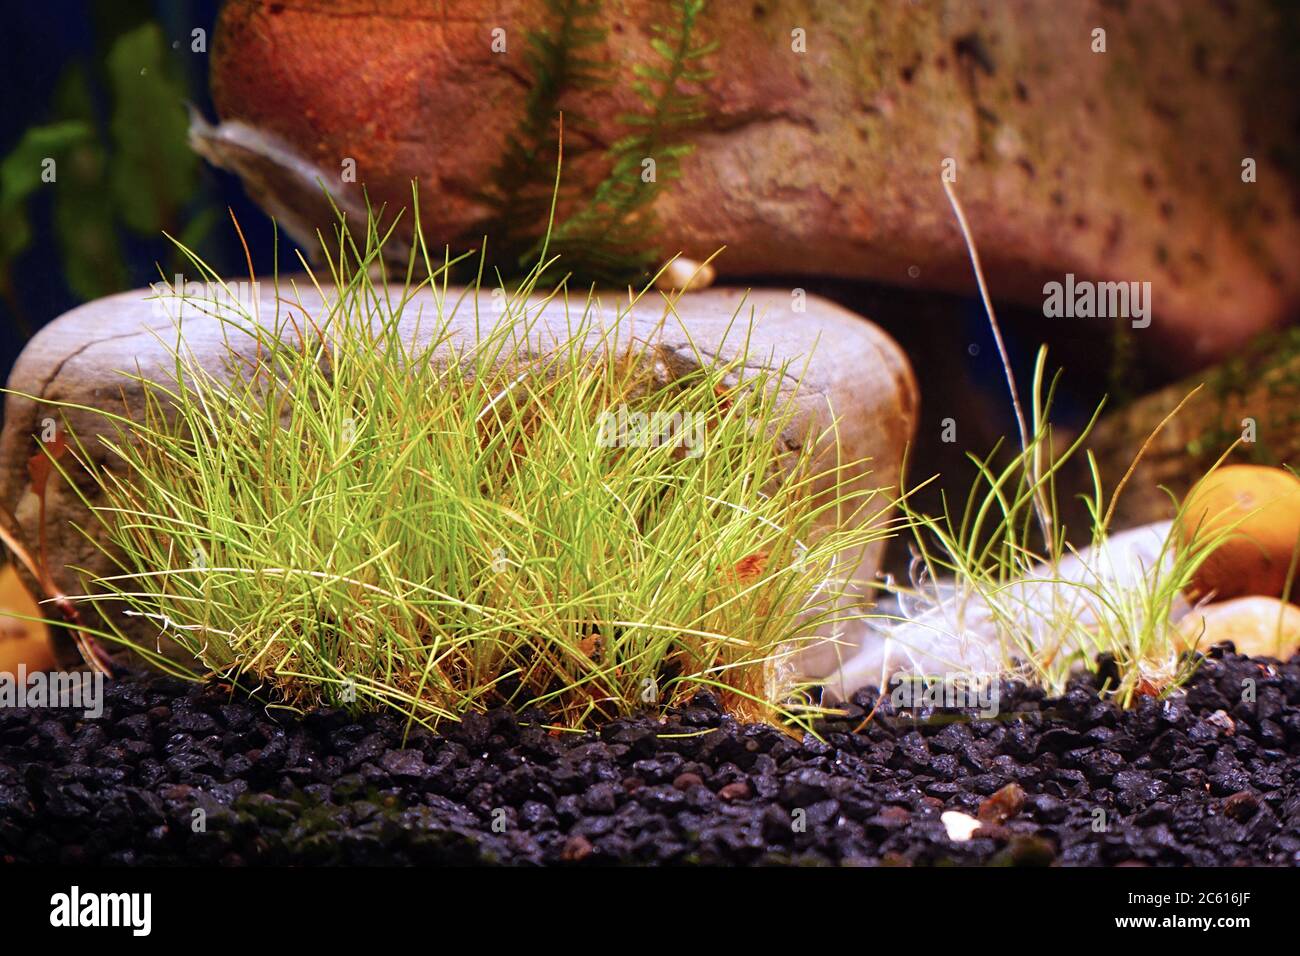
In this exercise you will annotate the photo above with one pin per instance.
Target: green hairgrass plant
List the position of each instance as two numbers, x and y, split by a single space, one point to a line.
350 515
998 581
990 573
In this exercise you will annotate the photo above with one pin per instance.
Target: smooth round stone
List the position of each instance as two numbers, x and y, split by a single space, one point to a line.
1257 626
1259 509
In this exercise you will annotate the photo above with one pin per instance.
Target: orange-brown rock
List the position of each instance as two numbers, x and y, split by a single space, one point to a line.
23 640
1124 165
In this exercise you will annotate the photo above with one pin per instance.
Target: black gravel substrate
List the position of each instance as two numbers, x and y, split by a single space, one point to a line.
176 773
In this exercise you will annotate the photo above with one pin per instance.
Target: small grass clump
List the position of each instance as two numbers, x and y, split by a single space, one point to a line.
998 582
369 507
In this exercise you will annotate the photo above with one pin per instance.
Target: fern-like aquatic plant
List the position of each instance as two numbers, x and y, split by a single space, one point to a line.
612 235
520 190
605 235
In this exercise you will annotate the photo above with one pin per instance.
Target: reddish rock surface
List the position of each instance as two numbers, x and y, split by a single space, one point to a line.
1123 165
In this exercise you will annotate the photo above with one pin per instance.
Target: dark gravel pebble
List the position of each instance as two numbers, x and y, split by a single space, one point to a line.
179 773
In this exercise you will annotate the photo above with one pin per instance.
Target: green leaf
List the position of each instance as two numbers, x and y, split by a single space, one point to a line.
20 175
153 169
664 50
84 224
647 72
84 218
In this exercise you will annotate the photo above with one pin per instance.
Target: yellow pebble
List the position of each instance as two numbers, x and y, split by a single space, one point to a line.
1257 626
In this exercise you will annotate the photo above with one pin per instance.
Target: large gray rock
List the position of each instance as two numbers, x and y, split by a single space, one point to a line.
856 372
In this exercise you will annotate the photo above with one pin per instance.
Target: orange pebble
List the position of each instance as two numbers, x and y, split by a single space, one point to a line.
1261 508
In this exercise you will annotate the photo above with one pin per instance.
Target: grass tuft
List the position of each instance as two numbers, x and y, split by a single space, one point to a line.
998 589
355 515
989 586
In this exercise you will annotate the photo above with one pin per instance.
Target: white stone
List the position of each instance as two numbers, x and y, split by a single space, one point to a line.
855 373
